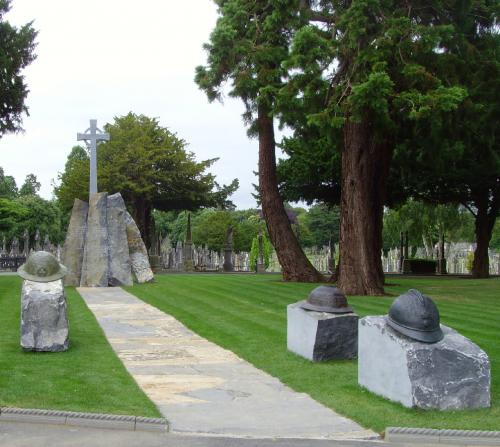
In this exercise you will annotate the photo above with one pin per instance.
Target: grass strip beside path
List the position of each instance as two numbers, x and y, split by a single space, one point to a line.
88 377
247 315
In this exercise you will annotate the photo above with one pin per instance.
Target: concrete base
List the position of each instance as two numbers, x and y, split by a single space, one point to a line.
452 374
319 336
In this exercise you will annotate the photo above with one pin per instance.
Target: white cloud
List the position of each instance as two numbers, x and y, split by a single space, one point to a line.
101 59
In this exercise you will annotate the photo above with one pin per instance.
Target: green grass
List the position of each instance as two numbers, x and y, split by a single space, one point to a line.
247 314
87 377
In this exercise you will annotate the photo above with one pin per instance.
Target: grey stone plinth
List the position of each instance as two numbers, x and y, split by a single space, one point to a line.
452 374
120 273
72 252
138 254
95 258
44 322
321 336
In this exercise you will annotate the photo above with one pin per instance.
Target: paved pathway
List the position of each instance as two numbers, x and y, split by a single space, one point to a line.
202 388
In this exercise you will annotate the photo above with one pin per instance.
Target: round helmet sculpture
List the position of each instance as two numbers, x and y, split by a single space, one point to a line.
327 299
42 266
416 316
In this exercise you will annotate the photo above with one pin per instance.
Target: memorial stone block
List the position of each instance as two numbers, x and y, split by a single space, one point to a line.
44 322
120 273
451 374
138 253
72 252
96 253
319 336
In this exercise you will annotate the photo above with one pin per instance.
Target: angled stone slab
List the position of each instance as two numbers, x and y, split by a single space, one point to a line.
96 253
72 252
138 253
452 374
120 273
44 321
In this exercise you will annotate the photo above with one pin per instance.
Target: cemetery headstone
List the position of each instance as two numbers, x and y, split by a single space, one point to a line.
323 327
408 357
188 247
44 321
228 251
26 247
261 267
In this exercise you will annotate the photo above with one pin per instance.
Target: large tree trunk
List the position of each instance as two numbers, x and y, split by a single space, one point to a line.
294 263
484 223
365 167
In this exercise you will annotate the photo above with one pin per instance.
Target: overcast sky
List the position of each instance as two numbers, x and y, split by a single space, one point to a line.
101 59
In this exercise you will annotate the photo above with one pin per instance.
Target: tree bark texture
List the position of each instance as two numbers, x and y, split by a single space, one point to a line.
294 263
365 167
484 222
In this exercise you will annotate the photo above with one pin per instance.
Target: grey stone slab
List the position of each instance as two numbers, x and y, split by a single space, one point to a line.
72 251
319 336
44 321
120 273
138 254
452 374
95 267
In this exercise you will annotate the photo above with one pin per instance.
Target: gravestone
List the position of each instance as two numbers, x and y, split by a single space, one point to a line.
95 267
26 247
188 248
451 374
261 267
120 273
228 251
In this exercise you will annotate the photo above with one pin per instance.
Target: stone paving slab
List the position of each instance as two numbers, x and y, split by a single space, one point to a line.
200 387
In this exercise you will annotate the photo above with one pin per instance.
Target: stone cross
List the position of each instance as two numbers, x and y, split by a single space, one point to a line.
91 138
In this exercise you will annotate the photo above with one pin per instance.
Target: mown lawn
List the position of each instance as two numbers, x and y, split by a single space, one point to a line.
247 314
87 377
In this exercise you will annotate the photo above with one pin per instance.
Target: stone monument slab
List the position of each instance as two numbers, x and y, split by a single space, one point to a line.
120 273
320 336
138 254
96 253
44 321
451 374
72 252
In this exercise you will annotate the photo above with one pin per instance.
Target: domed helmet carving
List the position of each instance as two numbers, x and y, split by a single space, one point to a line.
327 299
42 266
416 316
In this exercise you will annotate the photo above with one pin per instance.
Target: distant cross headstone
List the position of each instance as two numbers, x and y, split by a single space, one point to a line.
91 137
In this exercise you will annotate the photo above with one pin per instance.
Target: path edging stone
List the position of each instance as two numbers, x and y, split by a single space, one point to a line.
437 436
95 420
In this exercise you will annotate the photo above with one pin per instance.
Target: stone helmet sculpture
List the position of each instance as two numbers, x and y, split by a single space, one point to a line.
327 299
416 316
42 266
